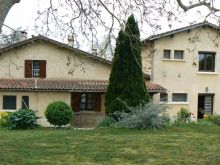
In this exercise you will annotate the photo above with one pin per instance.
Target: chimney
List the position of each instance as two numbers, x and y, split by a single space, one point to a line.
94 52
23 35
71 40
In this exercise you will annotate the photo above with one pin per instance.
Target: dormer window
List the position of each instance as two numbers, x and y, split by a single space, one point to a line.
35 68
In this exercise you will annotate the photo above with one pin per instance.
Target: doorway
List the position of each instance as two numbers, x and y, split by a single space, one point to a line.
205 105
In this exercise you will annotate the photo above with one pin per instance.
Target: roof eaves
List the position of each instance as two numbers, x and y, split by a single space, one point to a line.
21 43
157 36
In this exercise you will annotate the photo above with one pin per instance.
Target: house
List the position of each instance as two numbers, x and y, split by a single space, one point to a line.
186 62
38 71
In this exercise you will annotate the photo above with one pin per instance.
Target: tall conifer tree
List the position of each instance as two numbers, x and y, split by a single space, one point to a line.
126 83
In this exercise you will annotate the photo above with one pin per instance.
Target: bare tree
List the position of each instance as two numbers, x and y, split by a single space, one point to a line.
5 6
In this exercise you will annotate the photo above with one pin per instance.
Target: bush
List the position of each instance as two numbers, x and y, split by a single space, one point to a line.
59 113
183 115
22 119
4 119
107 122
145 116
214 119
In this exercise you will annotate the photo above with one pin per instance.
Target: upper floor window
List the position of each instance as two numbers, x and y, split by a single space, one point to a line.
35 68
86 102
178 54
166 54
9 102
179 97
207 61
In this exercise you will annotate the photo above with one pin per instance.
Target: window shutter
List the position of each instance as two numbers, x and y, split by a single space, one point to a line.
97 102
43 68
28 69
75 102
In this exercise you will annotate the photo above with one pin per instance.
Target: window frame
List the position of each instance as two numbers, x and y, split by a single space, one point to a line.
175 54
23 104
9 108
34 69
88 97
176 100
205 61
165 96
169 53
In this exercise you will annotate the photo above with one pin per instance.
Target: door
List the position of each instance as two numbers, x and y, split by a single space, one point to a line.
205 105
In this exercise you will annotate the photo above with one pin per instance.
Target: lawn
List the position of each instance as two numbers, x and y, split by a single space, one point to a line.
194 145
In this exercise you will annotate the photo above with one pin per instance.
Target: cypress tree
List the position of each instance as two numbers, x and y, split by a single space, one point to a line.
126 83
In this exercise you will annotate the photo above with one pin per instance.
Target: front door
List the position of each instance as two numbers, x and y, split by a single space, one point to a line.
205 105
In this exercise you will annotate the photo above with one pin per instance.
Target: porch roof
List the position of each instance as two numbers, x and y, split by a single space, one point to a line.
65 85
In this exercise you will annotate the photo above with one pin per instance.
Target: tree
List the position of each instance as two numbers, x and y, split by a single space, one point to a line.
5 6
8 39
126 84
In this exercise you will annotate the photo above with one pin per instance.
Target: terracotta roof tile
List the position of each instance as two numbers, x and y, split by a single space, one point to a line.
64 85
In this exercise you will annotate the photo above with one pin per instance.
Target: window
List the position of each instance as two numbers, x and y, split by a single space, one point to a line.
207 61
25 102
35 68
178 54
9 102
179 97
86 102
163 97
166 54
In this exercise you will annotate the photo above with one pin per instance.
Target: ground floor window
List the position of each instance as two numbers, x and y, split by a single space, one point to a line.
163 97
9 102
25 102
179 97
86 102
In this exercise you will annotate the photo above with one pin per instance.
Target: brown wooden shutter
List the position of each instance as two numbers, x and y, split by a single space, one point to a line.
43 68
97 102
28 69
75 101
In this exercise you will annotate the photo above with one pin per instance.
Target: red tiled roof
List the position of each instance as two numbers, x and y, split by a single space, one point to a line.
64 85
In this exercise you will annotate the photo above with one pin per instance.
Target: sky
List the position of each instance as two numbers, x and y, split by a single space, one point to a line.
24 13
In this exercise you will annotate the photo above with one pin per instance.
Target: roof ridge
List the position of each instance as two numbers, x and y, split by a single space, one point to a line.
184 28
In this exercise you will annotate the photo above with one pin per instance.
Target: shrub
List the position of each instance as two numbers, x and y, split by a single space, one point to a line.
22 119
4 119
145 116
59 113
214 119
107 122
183 115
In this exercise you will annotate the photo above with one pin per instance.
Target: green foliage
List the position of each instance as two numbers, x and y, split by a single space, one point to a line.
108 121
126 82
4 119
22 119
183 115
145 116
59 113
214 119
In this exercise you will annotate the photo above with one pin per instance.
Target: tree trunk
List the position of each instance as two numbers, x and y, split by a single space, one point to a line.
5 6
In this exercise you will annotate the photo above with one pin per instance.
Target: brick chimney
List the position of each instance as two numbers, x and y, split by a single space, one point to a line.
71 40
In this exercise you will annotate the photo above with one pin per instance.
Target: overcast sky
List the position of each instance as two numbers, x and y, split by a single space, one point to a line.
24 13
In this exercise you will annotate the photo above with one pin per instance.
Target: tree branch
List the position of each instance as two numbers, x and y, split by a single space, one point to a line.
200 3
5 6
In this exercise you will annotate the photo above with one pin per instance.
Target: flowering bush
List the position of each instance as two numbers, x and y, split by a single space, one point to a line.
4 119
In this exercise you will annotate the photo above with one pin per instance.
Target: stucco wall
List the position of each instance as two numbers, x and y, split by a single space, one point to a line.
181 76
38 101
60 63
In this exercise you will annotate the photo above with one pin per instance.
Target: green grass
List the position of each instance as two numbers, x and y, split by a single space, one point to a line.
186 145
